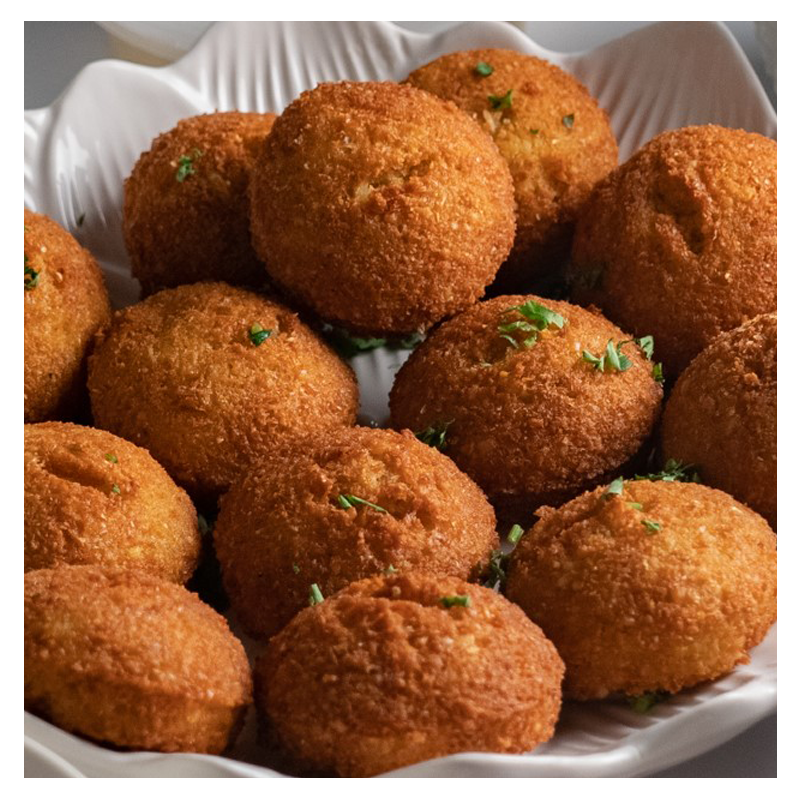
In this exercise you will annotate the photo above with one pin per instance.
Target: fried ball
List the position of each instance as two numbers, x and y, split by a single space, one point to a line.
355 503
381 207
186 215
65 303
557 141
131 660
524 413
399 669
207 377
681 241
652 586
722 415
93 498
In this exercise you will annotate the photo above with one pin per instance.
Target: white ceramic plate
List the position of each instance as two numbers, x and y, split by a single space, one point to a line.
79 150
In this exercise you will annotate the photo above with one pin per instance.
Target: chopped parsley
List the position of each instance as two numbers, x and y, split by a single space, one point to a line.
647 345
614 488
31 276
112 458
455 600
652 527
483 69
314 595
296 570
115 489
612 360
536 318
515 534
636 506
350 500
349 346
434 435
568 121
186 165
390 570
644 702
658 373
496 572
673 471
498 102
534 131
258 335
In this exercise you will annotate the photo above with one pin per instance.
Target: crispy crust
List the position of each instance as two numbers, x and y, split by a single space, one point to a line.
553 169
530 426
722 415
381 207
196 229
281 528
382 675
681 241
82 507
178 374
128 659
635 611
62 312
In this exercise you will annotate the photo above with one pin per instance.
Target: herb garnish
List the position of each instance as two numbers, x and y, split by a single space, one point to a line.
390 570
186 165
515 534
31 276
658 373
111 457
434 435
652 527
258 335
455 600
673 471
483 69
350 500
314 595
498 561
348 346
647 345
636 506
536 318
612 360
296 570
534 131
614 488
644 702
568 121
115 489
501 101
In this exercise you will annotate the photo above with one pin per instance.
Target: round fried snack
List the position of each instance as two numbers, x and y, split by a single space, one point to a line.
130 660
381 207
208 377
65 303
681 241
649 586
355 503
526 415
399 669
93 498
555 138
186 214
722 415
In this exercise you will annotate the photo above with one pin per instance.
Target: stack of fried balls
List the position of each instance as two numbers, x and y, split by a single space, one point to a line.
207 435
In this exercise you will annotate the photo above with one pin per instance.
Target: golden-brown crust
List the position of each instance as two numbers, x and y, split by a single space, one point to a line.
93 498
555 138
633 609
382 675
722 415
381 207
127 658
282 528
179 375
681 241
530 425
195 229
62 311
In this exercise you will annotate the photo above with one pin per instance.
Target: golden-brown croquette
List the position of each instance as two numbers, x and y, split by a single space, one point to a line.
722 415
399 669
647 586
532 415
381 207
93 498
354 503
207 377
186 215
128 659
557 141
681 240
65 303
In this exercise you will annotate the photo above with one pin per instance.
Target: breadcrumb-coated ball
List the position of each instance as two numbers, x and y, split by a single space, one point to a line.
530 421
381 207
654 588
128 659
93 498
681 241
395 670
722 415
65 303
207 377
555 138
186 213
290 524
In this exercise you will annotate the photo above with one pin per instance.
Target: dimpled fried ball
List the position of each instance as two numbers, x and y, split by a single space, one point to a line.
133 661
185 215
722 415
65 303
381 207
557 141
522 410
208 377
354 503
399 669
681 241
647 586
93 498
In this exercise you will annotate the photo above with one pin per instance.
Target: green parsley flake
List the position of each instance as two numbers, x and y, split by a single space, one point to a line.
652 527
455 600
515 534
612 360
647 344
31 276
673 471
186 165
314 595
112 458
349 501
483 69
534 131
658 373
643 703
296 571
614 488
568 121
258 335
390 570
636 506
536 318
499 102
115 489
434 435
